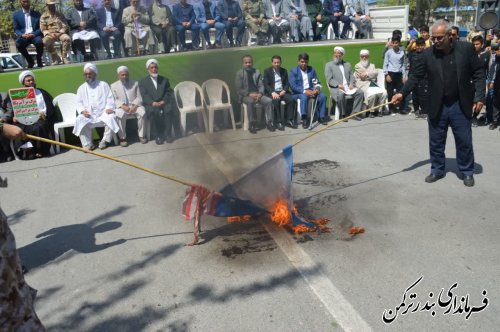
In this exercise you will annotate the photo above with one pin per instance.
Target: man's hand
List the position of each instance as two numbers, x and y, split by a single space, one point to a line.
477 107
109 111
55 35
125 108
367 18
83 24
86 114
210 22
340 86
309 93
133 109
351 86
397 98
388 78
318 18
275 95
13 132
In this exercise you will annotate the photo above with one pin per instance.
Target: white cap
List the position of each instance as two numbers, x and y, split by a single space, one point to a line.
151 61
121 68
340 49
23 75
364 52
90 66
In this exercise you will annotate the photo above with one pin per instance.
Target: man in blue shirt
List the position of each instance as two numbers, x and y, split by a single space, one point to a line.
231 15
335 11
27 28
185 19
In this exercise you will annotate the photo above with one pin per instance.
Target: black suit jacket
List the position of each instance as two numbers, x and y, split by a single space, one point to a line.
101 18
470 74
269 80
88 15
151 94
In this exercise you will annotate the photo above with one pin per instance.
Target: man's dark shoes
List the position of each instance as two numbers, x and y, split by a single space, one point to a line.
159 140
305 123
357 118
270 126
252 129
281 127
433 178
170 139
493 125
469 181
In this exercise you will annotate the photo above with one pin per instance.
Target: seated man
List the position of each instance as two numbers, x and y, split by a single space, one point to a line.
232 17
255 13
207 17
185 19
136 21
109 25
250 88
6 116
83 27
55 28
341 81
366 80
318 17
278 24
162 24
128 102
300 23
45 124
158 100
95 107
304 83
359 13
277 87
27 28
335 11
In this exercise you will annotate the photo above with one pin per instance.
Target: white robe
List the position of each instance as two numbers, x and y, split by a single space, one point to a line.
95 98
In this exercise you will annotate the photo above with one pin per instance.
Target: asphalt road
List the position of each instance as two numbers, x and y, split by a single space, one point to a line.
105 242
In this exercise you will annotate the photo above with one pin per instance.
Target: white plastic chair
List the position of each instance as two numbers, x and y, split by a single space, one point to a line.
185 97
67 105
214 89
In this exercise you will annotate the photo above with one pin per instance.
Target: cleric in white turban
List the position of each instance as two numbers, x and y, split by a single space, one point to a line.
121 68
43 126
95 106
150 61
364 52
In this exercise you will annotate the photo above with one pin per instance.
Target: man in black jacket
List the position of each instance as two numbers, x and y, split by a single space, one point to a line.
158 100
110 25
277 87
456 91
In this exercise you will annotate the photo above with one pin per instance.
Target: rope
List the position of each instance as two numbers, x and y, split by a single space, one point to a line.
102 155
339 121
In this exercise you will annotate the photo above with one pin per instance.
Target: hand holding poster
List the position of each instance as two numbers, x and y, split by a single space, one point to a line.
24 105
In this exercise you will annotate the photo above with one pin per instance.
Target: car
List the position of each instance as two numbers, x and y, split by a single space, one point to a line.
11 62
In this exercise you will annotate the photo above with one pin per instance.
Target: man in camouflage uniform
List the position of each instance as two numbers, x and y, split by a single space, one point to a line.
255 13
54 28
16 302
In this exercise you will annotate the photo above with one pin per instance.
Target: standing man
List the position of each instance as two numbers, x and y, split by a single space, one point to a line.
136 21
207 17
95 107
277 87
278 25
158 100
366 80
27 28
456 92
108 23
83 26
17 312
341 81
250 87
394 71
304 82
359 13
55 28
232 17
185 19
162 24
128 102
335 11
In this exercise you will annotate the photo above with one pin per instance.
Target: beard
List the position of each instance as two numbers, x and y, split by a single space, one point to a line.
365 63
153 75
124 80
337 61
89 80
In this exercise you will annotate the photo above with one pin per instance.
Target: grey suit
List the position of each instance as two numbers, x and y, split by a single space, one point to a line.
243 94
274 8
334 77
128 94
295 12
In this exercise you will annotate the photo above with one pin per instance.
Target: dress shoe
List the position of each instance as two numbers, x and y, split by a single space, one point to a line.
433 178
469 181
123 143
493 125
102 145
281 127
357 118
305 123
372 115
270 126
323 121
170 139
143 140
159 140
252 129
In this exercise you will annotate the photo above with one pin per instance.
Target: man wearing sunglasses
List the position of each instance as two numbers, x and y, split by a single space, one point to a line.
456 91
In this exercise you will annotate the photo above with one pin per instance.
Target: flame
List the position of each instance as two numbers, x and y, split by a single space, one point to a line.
244 218
281 214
